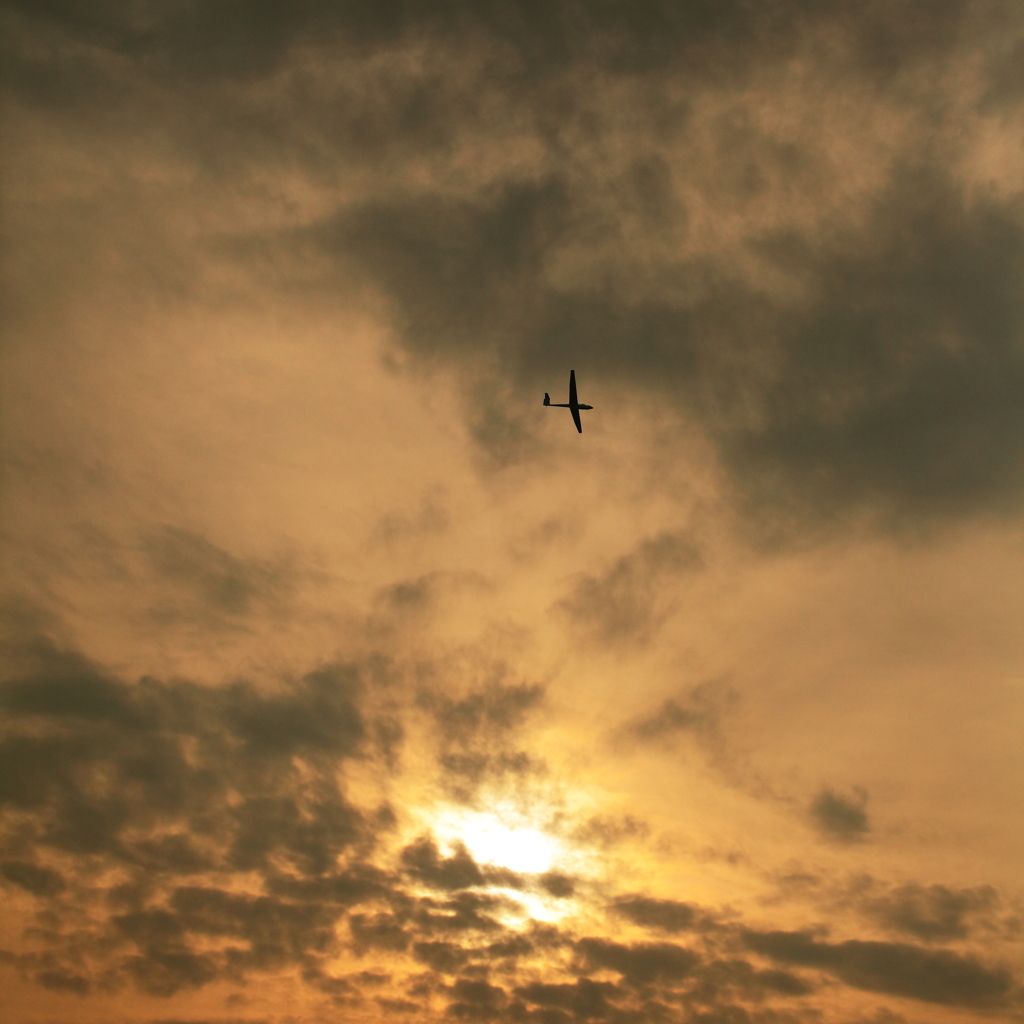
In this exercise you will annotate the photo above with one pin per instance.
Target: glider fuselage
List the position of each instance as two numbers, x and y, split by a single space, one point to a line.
573 405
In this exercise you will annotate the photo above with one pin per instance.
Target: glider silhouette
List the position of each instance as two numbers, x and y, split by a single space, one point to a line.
572 405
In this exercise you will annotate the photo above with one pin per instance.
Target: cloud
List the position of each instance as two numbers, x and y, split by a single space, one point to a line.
900 381
475 1000
398 1005
764 222
585 999
477 731
931 913
557 884
64 981
164 782
212 1020
627 602
294 830
462 912
879 373
894 384
179 788
639 964
928 913
445 957
698 715
202 581
719 982
698 711
138 733
39 881
63 684
424 861
497 708
661 195
841 818
665 915
381 931
194 41
606 831
432 518
934 976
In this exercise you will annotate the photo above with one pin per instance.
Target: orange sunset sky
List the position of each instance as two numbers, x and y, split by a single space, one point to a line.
344 682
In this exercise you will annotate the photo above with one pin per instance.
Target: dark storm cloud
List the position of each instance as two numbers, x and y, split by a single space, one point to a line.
935 976
537 45
410 595
165 973
432 518
784 983
62 684
359 883
929 913
64 981
841 818
207 781
317 714
275 928
512 947
185 39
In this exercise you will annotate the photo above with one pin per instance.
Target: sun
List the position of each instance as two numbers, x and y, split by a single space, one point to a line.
499 841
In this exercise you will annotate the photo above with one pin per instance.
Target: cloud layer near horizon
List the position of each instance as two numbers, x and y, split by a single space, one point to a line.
176 837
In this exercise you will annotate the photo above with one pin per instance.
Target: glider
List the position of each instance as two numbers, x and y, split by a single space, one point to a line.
572 405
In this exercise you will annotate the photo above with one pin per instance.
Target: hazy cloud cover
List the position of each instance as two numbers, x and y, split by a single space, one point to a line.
341 680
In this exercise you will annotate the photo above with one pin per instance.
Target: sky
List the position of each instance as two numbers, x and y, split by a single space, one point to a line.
343 681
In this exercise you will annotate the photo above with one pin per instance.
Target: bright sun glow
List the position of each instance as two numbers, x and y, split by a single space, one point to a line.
490 840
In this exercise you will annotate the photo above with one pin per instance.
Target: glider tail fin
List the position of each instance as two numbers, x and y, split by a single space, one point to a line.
547 398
